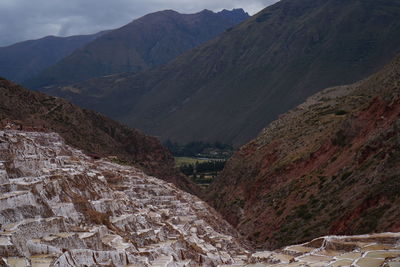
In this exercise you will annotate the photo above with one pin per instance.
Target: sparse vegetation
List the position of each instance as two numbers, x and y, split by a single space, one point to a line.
239 202
303 212
346 175
340 112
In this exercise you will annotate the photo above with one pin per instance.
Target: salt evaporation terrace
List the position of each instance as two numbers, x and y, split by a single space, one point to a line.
59 207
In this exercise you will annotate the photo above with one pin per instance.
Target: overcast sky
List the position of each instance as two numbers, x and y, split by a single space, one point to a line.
22 20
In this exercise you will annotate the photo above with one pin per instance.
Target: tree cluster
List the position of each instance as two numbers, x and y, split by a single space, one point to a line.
212 166
197 148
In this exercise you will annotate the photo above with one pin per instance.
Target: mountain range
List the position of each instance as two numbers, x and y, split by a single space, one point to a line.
22 61
310 87
229 88
328 166
149 41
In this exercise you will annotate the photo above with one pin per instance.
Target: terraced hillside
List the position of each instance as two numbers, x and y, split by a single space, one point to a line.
59 207
62 208
329 166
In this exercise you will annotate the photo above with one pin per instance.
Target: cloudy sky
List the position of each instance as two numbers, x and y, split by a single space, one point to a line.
31 19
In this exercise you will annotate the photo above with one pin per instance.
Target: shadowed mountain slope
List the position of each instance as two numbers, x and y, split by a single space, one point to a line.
24 60
229 88
329 166
146 42
87 130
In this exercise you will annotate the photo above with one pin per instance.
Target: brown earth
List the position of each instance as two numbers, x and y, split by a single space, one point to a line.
329 166
92 132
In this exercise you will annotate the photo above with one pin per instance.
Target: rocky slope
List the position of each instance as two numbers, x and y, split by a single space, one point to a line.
87 130
146 42
22 61
231 87
59 207
329 166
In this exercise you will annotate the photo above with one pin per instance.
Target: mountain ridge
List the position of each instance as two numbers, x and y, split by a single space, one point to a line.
266 65
146 42
23 60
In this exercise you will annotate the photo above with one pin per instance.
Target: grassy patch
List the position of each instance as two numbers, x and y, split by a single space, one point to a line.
180 161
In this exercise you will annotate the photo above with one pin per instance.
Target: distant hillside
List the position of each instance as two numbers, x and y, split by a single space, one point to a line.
93 133
228 89
146 42
329 166
24 60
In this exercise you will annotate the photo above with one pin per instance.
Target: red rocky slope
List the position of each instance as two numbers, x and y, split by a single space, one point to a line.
329 166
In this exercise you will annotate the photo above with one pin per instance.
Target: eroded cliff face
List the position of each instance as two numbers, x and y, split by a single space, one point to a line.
330 166
60 208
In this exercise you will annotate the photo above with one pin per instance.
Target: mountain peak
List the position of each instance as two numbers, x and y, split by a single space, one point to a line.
236 13
206 11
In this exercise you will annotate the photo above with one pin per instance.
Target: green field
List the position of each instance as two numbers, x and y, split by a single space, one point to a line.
179 161
202 171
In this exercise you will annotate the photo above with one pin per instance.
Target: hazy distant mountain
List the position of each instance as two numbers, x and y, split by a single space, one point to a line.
23 60
329 166
230 88
146 42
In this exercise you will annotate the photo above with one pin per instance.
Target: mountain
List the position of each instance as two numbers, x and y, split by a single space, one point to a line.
95 134
329 166
228 89
23 60
146 42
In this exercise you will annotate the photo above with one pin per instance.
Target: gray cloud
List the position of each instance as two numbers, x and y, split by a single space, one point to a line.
31 19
